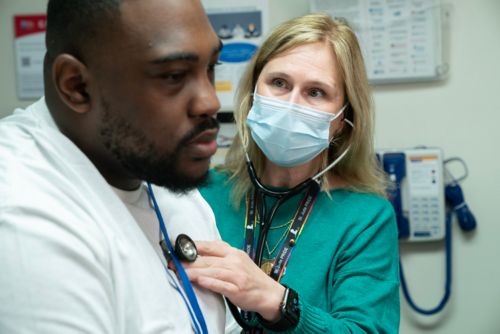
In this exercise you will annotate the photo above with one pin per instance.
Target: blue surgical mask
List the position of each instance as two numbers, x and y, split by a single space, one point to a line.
289 134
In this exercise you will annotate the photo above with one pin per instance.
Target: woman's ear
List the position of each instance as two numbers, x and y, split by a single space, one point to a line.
336 127
70 77
344 119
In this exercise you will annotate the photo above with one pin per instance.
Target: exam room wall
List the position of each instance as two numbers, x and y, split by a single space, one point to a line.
460 114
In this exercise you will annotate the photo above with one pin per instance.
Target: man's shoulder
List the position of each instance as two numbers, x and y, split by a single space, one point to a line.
15 132
43 175
28 134
22 160
31 116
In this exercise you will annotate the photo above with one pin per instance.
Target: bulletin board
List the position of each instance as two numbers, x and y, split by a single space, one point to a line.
401 40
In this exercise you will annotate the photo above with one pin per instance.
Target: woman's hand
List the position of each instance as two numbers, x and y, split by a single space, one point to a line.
230 272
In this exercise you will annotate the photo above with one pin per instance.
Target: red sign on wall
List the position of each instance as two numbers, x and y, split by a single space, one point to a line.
29 24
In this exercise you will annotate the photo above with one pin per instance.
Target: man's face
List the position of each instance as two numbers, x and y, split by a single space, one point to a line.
155 93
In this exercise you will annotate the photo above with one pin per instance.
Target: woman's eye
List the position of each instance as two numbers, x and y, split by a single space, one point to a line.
280 83
316 92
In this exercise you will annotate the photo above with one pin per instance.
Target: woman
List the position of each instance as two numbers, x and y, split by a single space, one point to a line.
329 255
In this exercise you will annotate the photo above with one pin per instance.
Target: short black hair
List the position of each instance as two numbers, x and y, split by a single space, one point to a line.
73 26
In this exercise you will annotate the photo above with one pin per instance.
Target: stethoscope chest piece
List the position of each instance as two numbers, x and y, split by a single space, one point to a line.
185 248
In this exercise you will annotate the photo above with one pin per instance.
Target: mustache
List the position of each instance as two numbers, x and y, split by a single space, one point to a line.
208 123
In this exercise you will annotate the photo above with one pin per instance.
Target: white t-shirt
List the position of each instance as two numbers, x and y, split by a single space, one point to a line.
189 215
72 257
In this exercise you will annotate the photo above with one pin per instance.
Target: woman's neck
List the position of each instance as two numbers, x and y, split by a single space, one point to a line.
288 177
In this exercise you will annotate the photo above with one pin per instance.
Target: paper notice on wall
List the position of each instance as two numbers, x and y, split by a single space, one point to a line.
240 25
400 39
29 33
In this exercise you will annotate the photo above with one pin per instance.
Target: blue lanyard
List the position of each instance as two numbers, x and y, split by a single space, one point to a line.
192 302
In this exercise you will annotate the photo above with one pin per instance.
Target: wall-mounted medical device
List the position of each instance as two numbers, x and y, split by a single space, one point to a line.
417 194
424 195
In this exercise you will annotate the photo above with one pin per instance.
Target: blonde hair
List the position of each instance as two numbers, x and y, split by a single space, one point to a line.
359 168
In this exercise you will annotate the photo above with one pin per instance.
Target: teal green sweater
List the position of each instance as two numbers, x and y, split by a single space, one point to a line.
344 265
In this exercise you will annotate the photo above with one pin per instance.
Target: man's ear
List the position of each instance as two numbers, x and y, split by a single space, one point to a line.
71 82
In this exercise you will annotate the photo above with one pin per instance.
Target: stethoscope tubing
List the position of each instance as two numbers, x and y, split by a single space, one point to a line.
281 196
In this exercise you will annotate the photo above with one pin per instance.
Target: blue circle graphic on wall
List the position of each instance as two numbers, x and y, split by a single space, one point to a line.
237 52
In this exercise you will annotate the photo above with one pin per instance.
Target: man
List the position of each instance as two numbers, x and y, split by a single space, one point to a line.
129 98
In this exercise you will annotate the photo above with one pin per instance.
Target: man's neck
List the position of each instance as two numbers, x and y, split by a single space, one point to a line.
125 184
121 181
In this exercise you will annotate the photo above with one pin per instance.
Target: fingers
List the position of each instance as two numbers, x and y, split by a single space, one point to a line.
235 261
252 292
221 287
213 248
240 277
218 280
219 274
225 282
230 272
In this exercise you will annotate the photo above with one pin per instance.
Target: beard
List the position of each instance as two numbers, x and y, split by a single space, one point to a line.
143 159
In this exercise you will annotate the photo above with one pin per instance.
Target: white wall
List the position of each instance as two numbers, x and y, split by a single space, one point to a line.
461 115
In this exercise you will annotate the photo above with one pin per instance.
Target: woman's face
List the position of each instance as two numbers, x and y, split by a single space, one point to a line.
307 75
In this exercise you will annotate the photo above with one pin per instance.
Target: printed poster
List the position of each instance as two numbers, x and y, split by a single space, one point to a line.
29 31
400 39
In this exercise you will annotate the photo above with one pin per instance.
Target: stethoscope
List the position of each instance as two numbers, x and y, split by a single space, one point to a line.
281 197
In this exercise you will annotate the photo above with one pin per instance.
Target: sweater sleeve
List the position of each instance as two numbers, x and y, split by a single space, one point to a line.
364 285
